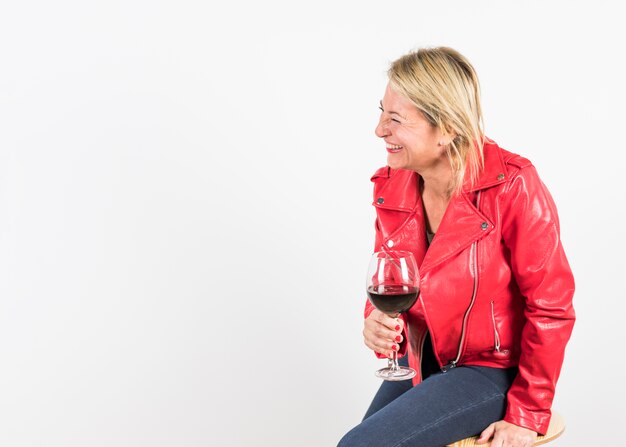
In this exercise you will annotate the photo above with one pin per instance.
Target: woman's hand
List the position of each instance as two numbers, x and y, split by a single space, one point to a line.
382 333
506 434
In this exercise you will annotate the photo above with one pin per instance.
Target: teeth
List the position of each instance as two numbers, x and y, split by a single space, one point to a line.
393 146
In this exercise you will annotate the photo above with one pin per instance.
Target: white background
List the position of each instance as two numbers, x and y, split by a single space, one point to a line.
185 215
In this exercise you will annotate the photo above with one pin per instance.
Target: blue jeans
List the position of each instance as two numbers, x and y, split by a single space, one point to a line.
442 409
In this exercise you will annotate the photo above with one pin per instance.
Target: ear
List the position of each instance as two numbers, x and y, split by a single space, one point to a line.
445 137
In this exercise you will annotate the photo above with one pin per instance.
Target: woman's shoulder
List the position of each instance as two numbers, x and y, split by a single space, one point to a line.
492 150
521 176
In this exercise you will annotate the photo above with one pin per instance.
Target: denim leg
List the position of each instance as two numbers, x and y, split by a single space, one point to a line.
442 409
389 391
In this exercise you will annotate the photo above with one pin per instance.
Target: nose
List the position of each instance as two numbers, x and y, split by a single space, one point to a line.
381 130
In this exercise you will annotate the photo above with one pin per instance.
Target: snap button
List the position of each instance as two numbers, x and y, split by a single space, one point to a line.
484 225
389 243
380 200
500 176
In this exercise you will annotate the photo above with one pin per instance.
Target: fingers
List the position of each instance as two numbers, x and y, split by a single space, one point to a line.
382 333
393 324
506 434
486 434
378 340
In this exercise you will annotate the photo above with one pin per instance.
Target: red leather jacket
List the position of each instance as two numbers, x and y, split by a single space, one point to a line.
496 289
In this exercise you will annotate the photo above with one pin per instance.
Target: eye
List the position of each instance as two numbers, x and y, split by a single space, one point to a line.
380 107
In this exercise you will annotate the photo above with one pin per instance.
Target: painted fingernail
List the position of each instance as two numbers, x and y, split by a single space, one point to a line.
398 338
397 327
394 347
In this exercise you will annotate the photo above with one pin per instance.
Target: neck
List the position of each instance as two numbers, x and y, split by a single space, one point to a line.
436 180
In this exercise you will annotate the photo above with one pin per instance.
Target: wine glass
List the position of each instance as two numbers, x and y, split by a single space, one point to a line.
392 288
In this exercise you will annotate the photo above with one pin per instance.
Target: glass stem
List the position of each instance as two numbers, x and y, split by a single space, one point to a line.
393 362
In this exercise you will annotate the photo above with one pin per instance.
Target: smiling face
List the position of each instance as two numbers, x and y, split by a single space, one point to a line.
412 142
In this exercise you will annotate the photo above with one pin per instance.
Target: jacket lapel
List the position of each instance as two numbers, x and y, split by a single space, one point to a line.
462 224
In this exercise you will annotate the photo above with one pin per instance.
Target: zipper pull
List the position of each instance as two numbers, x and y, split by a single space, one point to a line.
448 367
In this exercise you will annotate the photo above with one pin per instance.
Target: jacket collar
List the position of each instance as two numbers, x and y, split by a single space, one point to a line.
494 171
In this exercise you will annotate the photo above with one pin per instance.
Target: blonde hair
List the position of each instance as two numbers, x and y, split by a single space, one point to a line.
444 86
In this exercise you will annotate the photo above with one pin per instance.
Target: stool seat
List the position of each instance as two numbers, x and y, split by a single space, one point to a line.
555 429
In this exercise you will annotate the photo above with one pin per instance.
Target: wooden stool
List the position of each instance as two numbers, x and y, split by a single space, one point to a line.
555 429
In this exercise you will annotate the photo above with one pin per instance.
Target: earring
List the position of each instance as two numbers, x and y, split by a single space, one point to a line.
442 143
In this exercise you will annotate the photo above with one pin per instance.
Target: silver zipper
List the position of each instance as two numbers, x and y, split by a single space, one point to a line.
473 268
495 329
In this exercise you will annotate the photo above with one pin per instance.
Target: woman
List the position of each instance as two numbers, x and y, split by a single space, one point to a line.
488 333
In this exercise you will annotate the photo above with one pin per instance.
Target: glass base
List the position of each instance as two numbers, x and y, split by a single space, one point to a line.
396 374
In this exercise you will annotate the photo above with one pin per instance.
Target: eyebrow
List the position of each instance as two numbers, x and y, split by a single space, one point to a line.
390 112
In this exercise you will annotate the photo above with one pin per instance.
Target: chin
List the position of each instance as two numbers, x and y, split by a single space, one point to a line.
394 164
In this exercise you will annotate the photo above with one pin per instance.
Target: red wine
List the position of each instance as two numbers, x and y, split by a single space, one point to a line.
393 300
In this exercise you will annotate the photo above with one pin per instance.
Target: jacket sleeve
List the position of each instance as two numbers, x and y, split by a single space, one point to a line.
530 230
